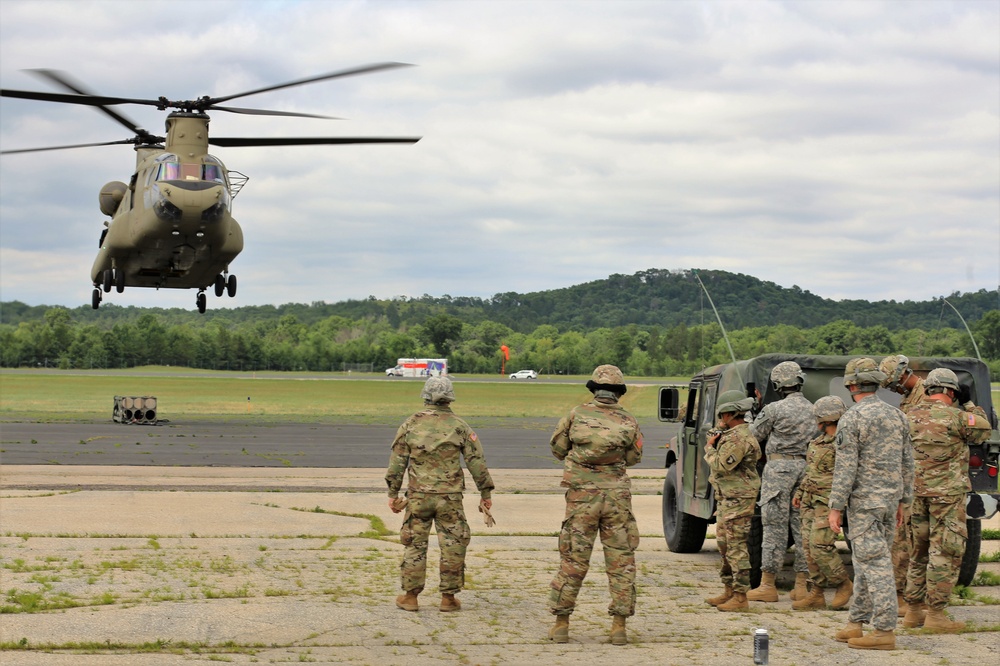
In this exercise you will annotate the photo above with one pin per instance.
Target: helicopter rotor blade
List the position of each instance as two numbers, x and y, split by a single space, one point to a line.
364 69
85 100
77 145
232 142
66 81
265 112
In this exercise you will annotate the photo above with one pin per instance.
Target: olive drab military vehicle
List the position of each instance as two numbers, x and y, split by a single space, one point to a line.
688 500
171 225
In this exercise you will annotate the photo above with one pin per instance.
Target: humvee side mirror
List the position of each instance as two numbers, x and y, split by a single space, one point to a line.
667 404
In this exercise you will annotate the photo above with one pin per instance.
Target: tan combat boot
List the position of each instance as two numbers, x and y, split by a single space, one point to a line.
801 589
618 635
722 598
559 633
852 630
937 621
738 602
408 601
449 603
876 640
843 596
915 615
766 592
901 605
814 601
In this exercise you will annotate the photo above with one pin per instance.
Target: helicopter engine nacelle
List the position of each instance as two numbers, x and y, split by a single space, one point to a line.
112 195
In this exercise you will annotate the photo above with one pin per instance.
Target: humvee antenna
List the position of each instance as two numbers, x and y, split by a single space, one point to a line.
719 319
971 336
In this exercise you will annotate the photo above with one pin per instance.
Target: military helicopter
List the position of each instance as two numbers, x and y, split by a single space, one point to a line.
171 226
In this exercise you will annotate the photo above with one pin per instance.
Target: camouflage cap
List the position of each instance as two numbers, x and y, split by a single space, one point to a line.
438 390
607 378
941 378
786 375
863 372
733 402
829 409
893 366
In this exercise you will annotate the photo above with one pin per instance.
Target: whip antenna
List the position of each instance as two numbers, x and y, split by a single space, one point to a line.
971 336
725 336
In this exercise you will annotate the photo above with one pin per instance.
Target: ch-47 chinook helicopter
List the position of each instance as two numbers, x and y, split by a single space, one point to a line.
171 226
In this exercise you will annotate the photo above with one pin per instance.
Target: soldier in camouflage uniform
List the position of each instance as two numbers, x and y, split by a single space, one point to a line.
900 379
873 479
940 433
429 447
732 454
787 426
596 442
826 569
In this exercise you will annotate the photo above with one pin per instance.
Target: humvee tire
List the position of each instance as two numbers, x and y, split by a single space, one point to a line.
970 561
684 533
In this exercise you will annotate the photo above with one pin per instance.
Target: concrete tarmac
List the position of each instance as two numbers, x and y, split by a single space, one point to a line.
174 565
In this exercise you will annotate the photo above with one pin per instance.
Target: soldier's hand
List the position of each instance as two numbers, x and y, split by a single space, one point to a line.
835 519
900 514
796 502
397 504
484 508
486 503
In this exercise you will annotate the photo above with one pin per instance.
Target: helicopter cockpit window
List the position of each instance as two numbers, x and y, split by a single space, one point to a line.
212 172
169 171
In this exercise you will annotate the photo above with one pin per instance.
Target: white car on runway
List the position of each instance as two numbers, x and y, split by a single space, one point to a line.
524 374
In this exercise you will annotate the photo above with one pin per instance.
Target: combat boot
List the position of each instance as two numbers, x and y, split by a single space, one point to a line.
449 603
901 605
814 601
843 596
766 591
876 640
408 601
559 633
737 602
937 621
915 615
801 589
722 598
852 630
618 635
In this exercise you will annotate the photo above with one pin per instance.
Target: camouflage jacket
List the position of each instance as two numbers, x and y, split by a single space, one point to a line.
596 442
733 463
940 434
874 462
818 478
787 425
429 446
917 395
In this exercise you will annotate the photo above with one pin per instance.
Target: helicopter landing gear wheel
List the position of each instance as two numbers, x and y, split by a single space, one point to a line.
201 300
95 299
220 284
119 280
231 286
107 278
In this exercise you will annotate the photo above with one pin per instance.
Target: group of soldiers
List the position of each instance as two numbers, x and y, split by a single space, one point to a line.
596 442
901 475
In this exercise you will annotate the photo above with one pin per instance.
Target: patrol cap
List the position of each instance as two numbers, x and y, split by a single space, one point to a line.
894 367
787 374
438 390
829 409
941 378
863 372
733 402
607 378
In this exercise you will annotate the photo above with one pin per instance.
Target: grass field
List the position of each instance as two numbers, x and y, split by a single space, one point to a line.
73 396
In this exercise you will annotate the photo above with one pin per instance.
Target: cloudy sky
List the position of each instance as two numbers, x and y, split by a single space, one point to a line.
849 148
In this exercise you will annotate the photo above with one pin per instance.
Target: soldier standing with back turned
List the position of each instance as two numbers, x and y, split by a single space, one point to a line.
787 426
596 442
873 479
429 447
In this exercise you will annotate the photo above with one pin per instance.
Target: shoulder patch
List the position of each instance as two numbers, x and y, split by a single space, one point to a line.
473 436
731 460
972 419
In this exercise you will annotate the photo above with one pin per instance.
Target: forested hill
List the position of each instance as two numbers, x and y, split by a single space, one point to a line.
655 297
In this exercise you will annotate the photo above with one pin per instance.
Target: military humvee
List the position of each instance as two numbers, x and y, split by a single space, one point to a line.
688 499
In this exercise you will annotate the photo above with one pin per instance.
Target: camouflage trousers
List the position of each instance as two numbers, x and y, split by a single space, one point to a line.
937 549
778 516
446 512
732 530
874 601
826 568
590 511
901 551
